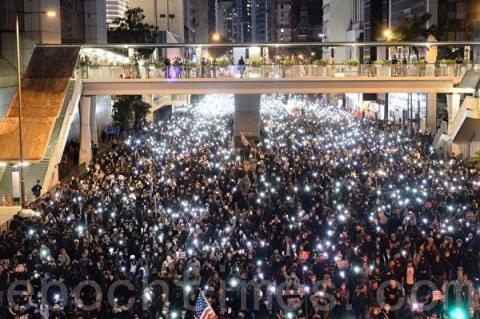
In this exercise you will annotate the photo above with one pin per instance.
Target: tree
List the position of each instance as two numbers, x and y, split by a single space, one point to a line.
131 28
414 28
130 112
476 160
140 110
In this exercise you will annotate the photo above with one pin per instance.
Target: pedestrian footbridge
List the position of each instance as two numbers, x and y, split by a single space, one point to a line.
56 83
301 85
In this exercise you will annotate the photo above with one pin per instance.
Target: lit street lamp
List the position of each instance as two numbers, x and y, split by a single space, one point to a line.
388 36
216 37
49 14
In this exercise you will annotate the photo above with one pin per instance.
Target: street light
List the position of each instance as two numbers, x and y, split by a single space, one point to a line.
49 14
388 34
216 37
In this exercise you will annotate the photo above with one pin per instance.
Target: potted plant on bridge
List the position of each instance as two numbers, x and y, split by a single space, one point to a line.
352 67
84 61
384 67
288 64
256 68
447 67
320 67
420 67
223 64
159 67
94 69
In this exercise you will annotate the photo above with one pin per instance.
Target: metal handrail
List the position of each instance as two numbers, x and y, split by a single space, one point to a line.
57 152
270 45
276 71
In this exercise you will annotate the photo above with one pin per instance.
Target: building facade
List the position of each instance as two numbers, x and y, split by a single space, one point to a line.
200 16
242 21
189 21
212 17
458 19
260 21
313 13
115 10
303 28
224 13
398 9
336 21
281 26
75 21
374 23
174 16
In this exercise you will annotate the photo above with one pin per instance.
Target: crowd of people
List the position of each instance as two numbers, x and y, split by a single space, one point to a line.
70 157
327 215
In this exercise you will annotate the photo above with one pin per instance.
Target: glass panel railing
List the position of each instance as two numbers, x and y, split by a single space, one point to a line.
272 71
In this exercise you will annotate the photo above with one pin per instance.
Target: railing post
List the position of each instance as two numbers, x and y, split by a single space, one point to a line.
432 112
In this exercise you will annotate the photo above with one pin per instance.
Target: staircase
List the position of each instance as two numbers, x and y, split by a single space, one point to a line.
37 171
442 139
466 122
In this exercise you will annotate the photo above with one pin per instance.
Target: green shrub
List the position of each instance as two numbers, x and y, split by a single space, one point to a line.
159 64
223 62
352 63
257 63
419 62
447 61
320 62
476 160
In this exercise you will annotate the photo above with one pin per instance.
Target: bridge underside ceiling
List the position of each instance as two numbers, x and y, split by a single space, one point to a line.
470 130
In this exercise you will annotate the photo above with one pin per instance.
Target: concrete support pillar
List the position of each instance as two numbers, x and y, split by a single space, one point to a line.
93 120
432 112
453 104
85 136
247 117
385 110
149 100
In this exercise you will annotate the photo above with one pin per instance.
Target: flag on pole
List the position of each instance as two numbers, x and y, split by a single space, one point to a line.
245 141
203 310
